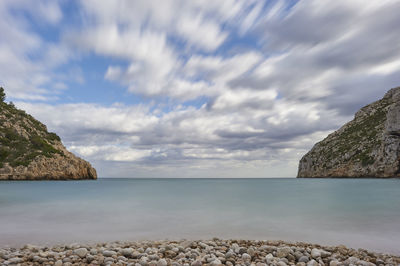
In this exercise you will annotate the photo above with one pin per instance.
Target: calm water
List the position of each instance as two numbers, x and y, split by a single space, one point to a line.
358 213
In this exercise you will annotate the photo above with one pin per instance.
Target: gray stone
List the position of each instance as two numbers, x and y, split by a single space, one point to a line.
298 255
283 252
109 253
81 252
93 251
90 258
281 263
109 260
246 257
135 255
229 254
127 252
312 263
351 260
315 253
162 262
197 263
251 251
304 259
334 263
15 260
241 250
216 262
285 260
269 258
58 263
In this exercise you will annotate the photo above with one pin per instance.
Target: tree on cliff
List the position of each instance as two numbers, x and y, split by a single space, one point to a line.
2 95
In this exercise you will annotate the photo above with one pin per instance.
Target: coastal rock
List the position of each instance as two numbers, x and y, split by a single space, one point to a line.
29 152
367 146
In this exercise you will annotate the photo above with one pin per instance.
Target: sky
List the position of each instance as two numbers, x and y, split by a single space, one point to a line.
177 88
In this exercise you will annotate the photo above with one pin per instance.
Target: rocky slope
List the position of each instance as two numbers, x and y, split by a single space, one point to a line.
368 146
28 151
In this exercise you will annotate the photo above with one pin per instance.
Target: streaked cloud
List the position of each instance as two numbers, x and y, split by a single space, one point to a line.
225 88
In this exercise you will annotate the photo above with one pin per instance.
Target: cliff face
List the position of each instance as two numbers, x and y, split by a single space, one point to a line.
29 152
368 146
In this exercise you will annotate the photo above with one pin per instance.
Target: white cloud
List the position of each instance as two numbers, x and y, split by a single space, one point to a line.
200 32
27 60
297 72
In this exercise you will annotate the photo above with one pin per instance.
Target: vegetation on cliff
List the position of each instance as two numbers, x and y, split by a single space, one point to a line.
20 149
24 140
364 147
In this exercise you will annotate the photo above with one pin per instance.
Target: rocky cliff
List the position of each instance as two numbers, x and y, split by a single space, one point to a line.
29 152
367 146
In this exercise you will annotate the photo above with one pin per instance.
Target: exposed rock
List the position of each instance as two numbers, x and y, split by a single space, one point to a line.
29 152
367 146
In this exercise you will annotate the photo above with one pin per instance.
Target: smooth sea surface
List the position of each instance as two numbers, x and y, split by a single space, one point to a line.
360 213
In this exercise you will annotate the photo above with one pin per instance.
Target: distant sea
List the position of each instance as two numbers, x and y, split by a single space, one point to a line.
363 213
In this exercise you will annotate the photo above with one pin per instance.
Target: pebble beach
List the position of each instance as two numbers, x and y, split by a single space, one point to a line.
195 253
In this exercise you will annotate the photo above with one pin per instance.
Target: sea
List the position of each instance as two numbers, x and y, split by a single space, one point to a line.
359 213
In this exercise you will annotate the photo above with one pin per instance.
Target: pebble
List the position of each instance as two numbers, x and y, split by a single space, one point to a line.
127 252
281 263
246 257
81 252
197 263
195 253
334 263
162 262
269 258
304 259
216 262
312 263
315 253
109 253
283 252
251 251
229 254
15 260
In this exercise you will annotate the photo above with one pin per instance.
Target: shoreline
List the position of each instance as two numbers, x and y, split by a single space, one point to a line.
195 253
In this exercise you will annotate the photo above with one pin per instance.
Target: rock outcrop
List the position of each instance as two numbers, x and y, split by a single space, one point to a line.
29 152
367 146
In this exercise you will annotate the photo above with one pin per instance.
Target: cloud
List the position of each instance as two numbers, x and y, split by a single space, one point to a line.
199 138
27 60
332 63
234 88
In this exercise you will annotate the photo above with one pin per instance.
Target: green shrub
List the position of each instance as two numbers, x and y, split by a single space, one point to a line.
3 154
53 137
2 95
